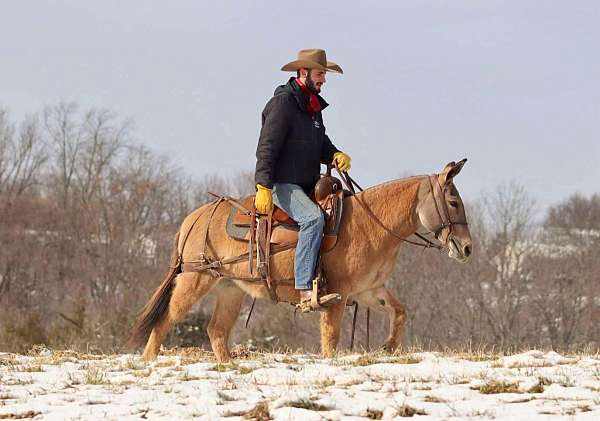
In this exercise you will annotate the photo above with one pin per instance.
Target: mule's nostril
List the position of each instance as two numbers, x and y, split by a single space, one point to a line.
467 251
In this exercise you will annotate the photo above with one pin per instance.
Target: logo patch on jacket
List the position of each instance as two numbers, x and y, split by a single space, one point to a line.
317 124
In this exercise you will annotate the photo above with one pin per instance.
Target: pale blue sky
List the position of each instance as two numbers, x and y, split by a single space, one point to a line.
512 85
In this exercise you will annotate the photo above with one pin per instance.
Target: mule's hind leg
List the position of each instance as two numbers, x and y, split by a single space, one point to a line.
189 288
227 310
331 323
382 300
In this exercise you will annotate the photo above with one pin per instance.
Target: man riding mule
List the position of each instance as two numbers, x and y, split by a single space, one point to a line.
291 147
375 223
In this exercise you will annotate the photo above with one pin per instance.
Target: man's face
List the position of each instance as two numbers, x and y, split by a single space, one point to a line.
315 80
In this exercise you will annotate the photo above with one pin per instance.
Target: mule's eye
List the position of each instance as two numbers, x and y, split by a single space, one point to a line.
453 203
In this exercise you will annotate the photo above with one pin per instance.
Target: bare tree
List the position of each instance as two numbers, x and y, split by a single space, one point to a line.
567 290
22 156
508 213
577 212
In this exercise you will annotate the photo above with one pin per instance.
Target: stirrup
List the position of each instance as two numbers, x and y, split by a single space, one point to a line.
317 303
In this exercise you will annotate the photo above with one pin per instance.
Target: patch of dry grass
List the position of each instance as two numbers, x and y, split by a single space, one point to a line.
535 364
408 411
308 404
496 386
260 412
9 360
434 399
221 368
374 414
132 364
477 357
569 361
187 377
124 383
287 360
366 359
584 408
459 380
564 378
30 368
19 416
381 357
405 359
142 373
165 363
18 382
245 370
324 383
95 376
539 386
190 354
475 353
596 372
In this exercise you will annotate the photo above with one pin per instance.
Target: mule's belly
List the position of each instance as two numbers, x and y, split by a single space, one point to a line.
285 293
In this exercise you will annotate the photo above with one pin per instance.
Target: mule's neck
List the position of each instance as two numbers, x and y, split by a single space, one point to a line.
394 204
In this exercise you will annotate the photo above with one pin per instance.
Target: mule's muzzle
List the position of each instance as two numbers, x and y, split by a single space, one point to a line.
459 250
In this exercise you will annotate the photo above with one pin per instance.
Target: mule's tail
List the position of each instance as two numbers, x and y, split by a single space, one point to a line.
154 311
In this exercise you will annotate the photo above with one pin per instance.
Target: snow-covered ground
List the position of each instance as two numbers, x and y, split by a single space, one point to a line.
188 384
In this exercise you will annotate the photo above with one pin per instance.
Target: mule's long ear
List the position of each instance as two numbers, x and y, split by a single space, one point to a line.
451 170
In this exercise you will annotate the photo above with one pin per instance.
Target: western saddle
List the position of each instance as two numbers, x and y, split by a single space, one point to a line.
278 229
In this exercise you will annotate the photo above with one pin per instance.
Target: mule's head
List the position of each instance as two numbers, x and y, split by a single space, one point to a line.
441 211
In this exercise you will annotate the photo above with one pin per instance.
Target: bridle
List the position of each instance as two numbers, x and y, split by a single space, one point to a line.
439 199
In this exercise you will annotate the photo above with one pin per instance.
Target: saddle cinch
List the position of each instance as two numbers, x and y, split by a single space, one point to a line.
328 194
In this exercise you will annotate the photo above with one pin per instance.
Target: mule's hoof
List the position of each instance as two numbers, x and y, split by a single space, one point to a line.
149 358
389 348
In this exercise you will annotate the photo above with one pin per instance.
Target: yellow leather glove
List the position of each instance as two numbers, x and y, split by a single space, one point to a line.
263 200
341 161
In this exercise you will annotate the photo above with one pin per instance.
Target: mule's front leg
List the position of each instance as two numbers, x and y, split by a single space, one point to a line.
397 315
331 323
382 300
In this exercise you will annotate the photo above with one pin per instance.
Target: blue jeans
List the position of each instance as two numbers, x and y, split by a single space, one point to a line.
292 199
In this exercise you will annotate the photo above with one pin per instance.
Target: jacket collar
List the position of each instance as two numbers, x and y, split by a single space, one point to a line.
301 98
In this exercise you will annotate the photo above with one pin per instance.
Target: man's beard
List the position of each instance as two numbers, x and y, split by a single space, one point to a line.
310 84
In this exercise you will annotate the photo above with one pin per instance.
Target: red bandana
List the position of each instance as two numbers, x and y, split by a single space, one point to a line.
314 105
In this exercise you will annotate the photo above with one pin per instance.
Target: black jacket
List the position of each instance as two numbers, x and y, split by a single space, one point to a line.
292 142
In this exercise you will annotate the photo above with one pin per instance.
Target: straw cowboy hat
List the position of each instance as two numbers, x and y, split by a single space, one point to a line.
313 58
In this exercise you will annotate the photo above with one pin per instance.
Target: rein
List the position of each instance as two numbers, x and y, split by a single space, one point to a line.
351 183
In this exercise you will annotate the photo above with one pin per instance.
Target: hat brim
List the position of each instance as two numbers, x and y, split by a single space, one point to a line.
299 64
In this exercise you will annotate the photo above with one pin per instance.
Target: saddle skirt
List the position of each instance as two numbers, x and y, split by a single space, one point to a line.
328 194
